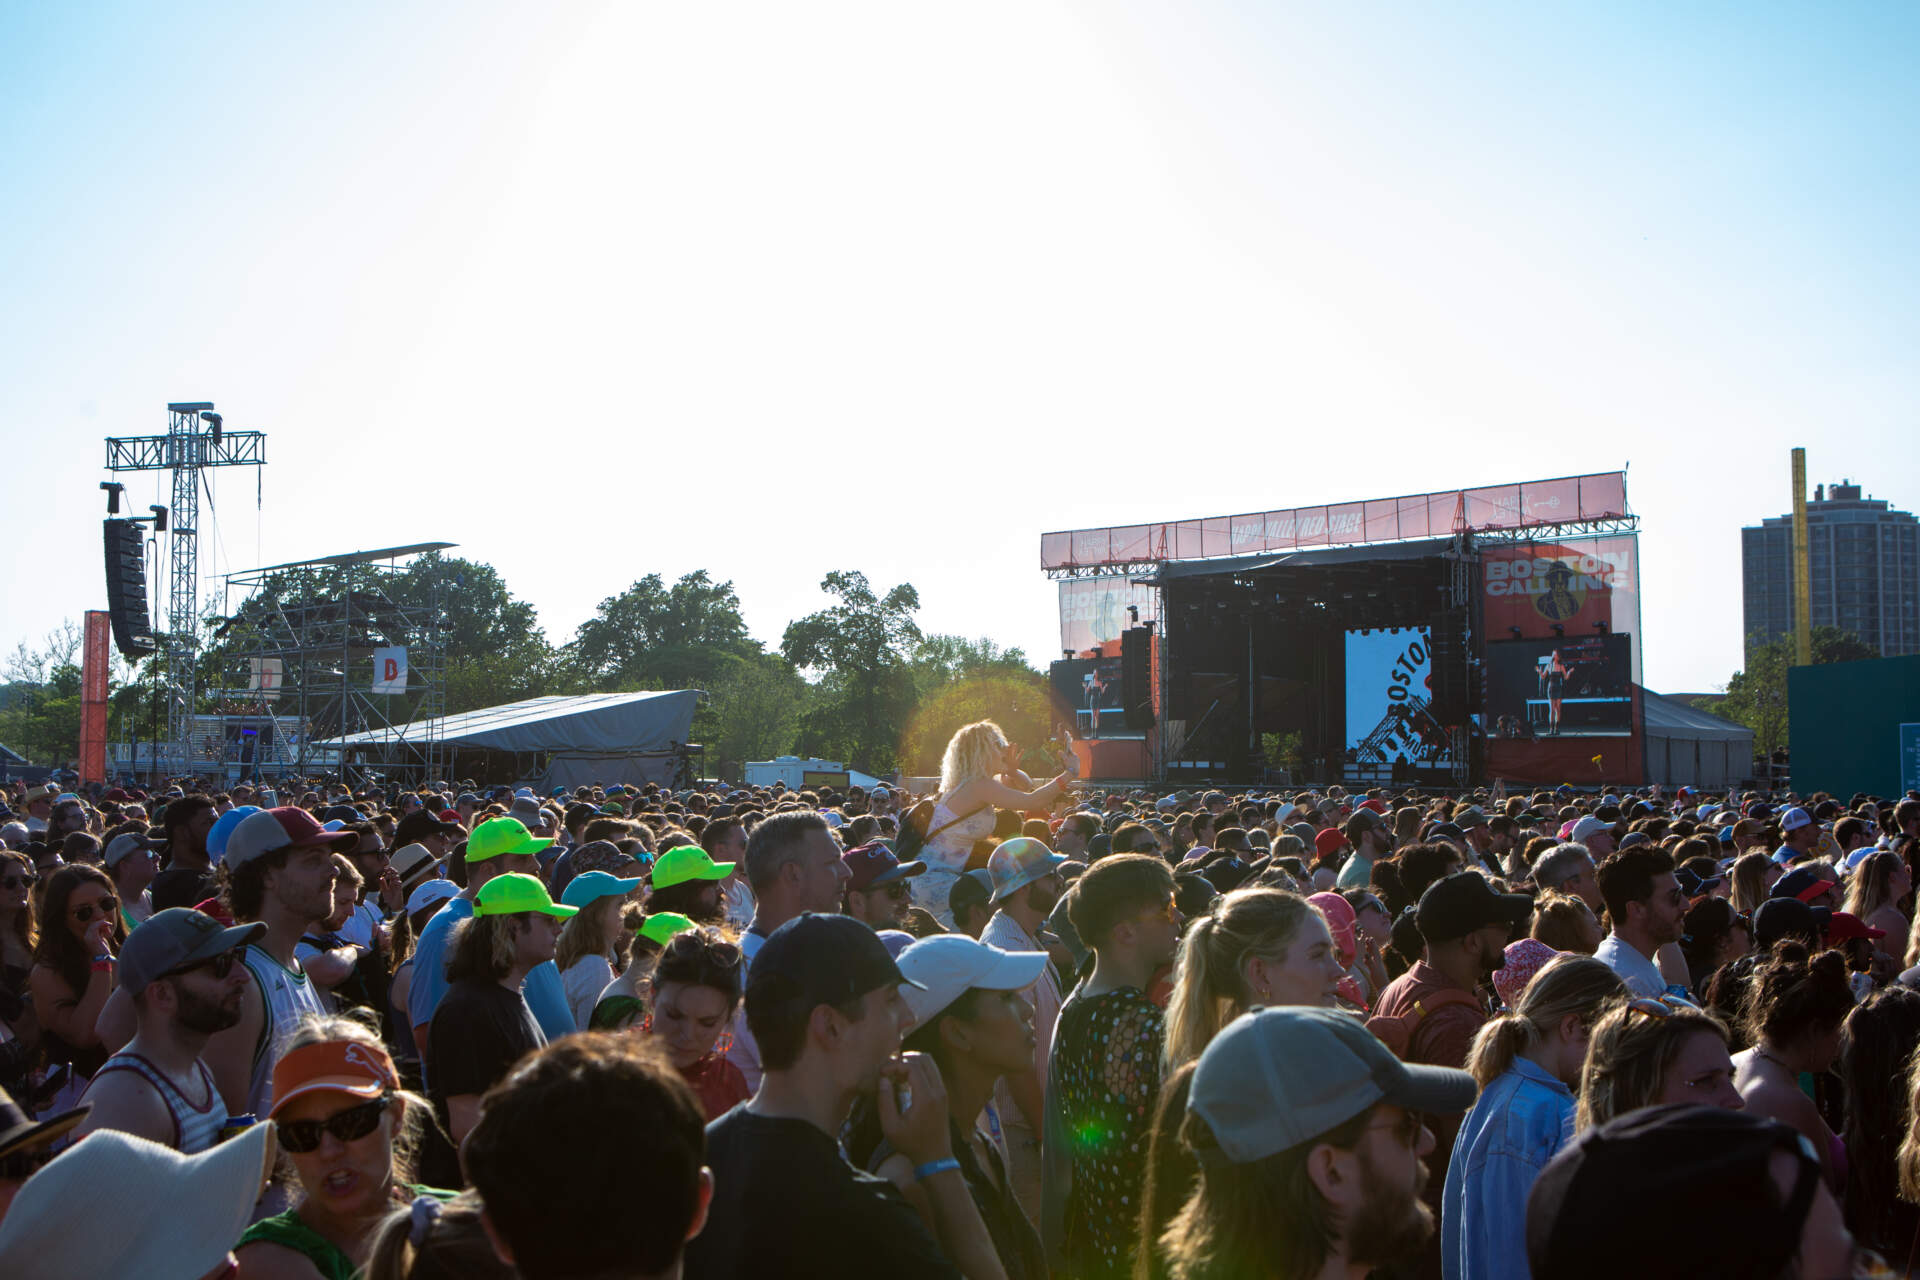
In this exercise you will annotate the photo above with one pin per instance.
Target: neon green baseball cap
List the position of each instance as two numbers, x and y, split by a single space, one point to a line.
501 837
512 893
687 862
662 925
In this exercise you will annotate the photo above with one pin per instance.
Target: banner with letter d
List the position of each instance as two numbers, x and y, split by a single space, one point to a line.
390 670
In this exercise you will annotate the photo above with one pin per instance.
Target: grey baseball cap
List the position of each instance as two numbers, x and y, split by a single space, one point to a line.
174 939
1276 1078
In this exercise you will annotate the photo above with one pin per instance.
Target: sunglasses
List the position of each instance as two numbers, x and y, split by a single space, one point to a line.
220 966
87 910
1664 1007
302 1136
1406 1128
19 882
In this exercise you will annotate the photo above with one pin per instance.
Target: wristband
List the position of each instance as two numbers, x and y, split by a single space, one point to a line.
932 1167
103 958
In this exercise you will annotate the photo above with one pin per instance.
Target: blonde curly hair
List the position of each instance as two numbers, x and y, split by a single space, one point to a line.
975 751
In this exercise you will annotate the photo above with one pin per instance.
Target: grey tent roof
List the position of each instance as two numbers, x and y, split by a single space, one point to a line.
618 722
1667 718
1173 570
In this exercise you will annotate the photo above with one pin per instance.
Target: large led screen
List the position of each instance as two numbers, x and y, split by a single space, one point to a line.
1569 687
1389 683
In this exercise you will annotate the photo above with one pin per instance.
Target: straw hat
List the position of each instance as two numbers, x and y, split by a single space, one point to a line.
174 1217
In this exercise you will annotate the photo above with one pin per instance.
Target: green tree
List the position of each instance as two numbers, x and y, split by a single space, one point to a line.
652 636
753 712
1757 696
860 649
958 681
483 618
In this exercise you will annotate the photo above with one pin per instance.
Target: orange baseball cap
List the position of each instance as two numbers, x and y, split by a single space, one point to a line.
335 1066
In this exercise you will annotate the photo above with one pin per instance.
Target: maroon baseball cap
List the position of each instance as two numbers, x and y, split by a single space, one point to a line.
874 864
282 828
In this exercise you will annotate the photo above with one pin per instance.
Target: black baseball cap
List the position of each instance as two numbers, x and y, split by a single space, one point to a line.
422 822
815 959
1700 1165
1778 918
1454 906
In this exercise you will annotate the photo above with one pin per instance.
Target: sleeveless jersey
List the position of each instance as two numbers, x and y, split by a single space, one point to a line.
194 1128
289 997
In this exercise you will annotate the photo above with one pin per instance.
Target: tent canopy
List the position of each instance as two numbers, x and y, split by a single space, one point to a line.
619 723
1689 747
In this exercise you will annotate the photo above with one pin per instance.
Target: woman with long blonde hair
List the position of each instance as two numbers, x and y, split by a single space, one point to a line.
1527 1064
1874 893
1649 1053
1753 875
975 775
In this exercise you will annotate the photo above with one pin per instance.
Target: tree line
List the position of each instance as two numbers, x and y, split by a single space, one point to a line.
857 680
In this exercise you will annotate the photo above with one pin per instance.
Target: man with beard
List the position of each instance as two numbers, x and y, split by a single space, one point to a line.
188 879
1026 887
1311 1140
823 1000
1647 910
181 970
1104 1067
1436 1007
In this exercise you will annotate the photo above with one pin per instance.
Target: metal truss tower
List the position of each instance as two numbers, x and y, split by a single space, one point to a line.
194 441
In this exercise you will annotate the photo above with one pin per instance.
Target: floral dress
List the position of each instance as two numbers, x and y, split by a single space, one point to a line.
1106 1056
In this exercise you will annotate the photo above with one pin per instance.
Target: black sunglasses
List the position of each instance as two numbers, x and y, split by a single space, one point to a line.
19 882
220 965
302 1136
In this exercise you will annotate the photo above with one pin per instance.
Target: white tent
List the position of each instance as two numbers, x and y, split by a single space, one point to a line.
1687 747
628 738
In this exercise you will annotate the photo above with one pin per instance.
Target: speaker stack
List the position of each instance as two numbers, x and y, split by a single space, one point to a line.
127 589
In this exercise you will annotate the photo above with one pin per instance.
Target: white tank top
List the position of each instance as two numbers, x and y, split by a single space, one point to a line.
195 1129
289 997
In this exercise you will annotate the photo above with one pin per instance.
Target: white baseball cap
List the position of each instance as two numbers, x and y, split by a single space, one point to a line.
1587 826
948 965
431 892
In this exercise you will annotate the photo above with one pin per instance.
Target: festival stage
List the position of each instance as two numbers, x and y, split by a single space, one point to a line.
1437 639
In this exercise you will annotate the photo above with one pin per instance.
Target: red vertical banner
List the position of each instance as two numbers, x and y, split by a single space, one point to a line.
93 697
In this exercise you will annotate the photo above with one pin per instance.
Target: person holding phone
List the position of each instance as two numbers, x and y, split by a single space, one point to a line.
979 772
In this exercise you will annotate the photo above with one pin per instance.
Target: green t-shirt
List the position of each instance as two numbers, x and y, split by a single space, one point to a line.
289 1231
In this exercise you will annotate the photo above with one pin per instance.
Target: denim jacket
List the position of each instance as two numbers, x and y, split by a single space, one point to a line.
1522 1118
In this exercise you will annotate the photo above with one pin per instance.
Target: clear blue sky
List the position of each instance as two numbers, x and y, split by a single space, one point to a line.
602 290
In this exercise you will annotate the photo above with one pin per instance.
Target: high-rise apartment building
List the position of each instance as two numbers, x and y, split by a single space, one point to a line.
1866 571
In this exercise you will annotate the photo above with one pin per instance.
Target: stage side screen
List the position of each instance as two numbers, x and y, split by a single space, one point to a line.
1389 672
1564 687
1086 694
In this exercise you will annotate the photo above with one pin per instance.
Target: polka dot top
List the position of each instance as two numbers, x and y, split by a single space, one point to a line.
1106 1053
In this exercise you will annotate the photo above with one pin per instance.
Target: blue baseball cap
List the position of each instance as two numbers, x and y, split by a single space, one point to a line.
591 886
223 827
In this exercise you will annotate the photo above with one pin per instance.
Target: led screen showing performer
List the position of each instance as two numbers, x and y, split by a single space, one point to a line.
1087 692
1562 687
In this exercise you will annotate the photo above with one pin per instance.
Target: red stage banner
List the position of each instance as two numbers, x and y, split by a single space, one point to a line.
93 696
1577 583
1429 515
1093 612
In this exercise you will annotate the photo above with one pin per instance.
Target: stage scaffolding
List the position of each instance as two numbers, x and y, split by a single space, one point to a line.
295 654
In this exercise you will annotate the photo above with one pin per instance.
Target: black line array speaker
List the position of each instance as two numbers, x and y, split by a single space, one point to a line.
1136 680
1450 693
127 589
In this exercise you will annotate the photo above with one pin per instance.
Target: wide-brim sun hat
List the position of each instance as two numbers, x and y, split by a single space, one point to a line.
118 1205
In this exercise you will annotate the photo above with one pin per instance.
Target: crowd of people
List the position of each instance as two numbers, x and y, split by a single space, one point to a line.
1003 1029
